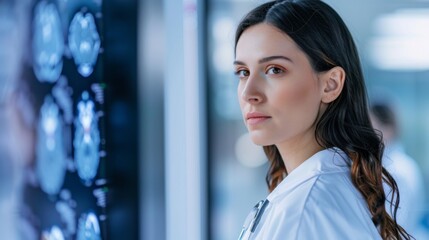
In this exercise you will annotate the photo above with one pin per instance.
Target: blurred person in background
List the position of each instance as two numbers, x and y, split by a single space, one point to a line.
402 167
303 98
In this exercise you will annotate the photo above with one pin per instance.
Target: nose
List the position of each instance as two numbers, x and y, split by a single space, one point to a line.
252 91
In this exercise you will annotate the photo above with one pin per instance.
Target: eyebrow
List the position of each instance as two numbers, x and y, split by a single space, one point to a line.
265 59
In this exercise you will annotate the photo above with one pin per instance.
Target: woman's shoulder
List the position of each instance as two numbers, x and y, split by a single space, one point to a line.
335 192
326 206
327 190
334 207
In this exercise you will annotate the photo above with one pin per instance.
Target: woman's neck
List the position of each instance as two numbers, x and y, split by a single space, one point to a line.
295 151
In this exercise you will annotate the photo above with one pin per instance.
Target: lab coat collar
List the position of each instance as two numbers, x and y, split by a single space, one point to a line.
326 161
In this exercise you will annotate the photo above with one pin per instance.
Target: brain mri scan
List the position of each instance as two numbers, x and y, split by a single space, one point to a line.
84 42
48 43
87 139
50 150
88 228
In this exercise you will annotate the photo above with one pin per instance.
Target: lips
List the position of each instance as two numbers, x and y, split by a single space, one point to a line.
254 118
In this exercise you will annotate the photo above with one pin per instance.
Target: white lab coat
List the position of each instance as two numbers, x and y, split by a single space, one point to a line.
317 200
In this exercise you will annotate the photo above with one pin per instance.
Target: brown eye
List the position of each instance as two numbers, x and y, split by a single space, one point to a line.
242 73
275 70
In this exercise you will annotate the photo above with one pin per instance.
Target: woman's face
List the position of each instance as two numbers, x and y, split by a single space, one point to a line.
279 92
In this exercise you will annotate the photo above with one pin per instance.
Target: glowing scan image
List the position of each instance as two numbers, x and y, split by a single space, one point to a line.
87 140
50 150
62 93
88 228
66 208
84 42
48 43
54 234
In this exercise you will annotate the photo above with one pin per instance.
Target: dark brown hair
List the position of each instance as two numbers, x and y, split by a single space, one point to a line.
323 36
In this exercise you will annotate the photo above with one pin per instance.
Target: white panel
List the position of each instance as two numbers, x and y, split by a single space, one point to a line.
183 123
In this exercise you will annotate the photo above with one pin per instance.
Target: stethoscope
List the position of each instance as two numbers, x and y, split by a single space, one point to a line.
253 218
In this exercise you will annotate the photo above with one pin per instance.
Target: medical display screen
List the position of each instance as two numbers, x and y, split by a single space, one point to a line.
66 197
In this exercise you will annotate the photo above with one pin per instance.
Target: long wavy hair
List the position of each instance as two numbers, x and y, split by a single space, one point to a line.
323 36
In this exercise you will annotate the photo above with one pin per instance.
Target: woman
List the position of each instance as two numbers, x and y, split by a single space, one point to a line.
303 98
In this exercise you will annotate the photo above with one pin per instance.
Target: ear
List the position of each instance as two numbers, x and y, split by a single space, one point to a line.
333 83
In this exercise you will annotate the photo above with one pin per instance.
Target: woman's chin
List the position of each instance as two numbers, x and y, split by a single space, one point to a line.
259 140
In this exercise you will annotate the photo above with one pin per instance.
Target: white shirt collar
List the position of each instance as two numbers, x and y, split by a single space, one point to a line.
326 161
